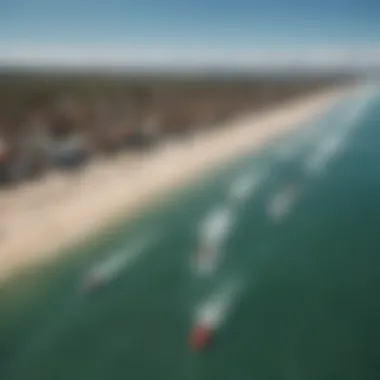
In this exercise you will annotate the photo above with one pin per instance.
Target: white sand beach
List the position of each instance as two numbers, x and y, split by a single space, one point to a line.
61 209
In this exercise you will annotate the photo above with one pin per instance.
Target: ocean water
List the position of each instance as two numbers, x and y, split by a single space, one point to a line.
302 253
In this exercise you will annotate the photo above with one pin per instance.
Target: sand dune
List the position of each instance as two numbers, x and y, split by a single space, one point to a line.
40 217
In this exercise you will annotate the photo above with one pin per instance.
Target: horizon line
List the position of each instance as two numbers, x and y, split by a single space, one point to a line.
187 58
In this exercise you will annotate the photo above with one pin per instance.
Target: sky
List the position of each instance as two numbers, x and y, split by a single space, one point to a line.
189 32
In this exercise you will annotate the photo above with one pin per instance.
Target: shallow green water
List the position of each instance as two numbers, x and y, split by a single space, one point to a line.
308 307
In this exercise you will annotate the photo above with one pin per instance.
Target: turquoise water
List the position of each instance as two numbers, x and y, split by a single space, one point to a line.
307 306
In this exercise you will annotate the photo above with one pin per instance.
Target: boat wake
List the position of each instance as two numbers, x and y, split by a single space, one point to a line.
332 142
281 204
214 231
246 185
109 269
326 151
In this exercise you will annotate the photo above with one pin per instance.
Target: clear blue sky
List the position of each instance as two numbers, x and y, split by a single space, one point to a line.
243 24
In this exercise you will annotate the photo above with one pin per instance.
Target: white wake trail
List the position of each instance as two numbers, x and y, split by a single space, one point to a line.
215 310
281 204
332 143
246 185
110 268
214 230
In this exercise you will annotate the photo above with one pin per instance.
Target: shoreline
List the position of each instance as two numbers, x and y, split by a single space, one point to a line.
62 210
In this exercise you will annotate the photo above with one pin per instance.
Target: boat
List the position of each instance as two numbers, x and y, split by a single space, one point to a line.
211 315
199 337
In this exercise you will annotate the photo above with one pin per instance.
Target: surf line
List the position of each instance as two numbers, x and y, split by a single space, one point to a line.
109 269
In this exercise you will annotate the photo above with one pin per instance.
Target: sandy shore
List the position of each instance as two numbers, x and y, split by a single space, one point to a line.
61 209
